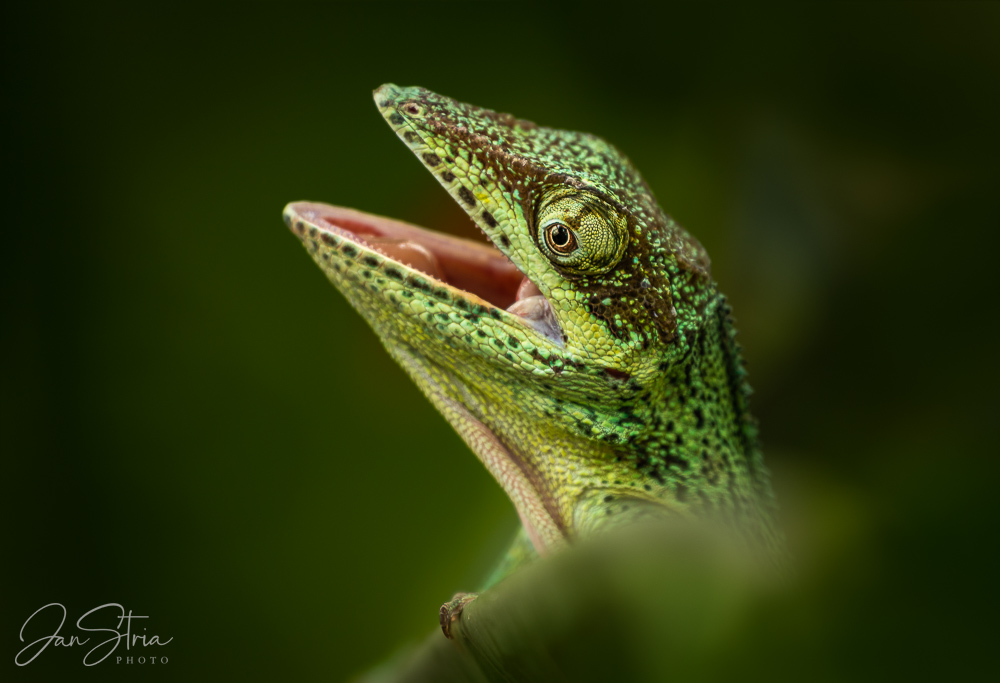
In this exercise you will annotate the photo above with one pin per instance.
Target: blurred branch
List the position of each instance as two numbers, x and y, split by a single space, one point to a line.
652 604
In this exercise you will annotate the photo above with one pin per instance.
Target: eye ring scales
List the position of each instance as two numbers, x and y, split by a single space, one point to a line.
580 233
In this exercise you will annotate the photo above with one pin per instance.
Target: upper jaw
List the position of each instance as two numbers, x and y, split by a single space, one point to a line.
525 301
477 277
444 139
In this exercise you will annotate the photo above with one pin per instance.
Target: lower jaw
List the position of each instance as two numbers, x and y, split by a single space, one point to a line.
474 268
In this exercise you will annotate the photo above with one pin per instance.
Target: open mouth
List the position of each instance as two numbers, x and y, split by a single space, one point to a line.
478 271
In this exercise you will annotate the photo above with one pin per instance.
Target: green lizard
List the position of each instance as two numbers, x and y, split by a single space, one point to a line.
587 357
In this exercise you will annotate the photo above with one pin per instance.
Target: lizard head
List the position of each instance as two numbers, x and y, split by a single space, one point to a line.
585 266
587 292
573 215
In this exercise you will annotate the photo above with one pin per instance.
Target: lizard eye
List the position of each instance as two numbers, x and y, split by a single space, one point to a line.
560 239
580 233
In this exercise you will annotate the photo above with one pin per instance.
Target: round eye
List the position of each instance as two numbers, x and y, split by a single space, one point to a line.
580 233
560 239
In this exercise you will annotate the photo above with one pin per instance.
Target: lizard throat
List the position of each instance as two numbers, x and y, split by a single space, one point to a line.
479 272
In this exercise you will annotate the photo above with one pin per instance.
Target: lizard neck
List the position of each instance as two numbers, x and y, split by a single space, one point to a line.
680 439
691 443
703 419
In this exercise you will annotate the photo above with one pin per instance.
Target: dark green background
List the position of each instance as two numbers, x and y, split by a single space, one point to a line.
196 425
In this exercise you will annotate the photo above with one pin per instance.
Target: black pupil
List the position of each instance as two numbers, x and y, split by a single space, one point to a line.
560 236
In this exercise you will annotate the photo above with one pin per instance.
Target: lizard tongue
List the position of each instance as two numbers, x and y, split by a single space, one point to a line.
527 289
412 254
529 304
535 310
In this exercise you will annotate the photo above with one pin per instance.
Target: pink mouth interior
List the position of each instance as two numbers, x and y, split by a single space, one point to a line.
476 268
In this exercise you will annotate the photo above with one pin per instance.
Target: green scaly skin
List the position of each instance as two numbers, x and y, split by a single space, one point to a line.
639 406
